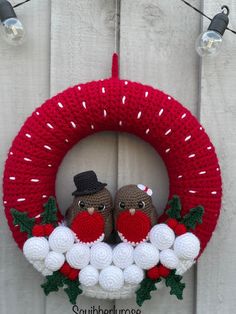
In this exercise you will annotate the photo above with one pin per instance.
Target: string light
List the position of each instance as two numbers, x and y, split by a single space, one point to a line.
11 27
208 43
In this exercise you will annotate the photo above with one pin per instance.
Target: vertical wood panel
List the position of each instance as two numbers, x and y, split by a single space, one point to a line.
216 268
157 48
24 84
81 49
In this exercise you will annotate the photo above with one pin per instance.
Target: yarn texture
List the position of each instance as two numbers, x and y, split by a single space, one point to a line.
194 175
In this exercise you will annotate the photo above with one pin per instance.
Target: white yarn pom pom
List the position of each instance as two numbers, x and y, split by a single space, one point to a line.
36 248
187 246
111 278
169 259
88 276
101 255
146 255
61 239
54 260
162 236
133 274
47 272
123 255
78 256
39 265
183 266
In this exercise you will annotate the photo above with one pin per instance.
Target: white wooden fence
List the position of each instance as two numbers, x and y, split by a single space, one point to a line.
72 41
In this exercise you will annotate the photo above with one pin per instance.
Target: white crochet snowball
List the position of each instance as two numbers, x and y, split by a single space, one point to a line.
111 278
101 255
88 276
123 255
169 259
162 236
61 239
54 260
78 256
184 265
36 248
133 274
47 272
146 255
187 246
39 265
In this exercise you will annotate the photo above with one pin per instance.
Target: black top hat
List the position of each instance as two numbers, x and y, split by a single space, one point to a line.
87 183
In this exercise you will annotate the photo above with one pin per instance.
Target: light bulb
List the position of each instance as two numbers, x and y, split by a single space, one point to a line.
209 43
11 28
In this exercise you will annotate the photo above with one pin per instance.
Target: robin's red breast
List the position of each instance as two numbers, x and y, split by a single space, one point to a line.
134 213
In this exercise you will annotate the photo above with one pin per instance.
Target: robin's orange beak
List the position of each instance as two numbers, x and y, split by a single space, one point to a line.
90 210
132 211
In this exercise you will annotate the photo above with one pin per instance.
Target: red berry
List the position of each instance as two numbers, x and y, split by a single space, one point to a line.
38 231
48 229
65 269
163 271
73 275
180 229
172 223
153 273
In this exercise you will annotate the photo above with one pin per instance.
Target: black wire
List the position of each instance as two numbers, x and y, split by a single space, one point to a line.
184 1
18 4
203 14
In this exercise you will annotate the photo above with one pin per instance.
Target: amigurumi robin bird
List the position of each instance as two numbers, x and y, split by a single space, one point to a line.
90 214
134 213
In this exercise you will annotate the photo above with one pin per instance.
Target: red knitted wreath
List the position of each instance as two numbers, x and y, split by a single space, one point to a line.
122 106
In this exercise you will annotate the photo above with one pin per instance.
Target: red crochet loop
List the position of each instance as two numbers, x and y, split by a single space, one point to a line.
172 223
88 228
157 118
134 228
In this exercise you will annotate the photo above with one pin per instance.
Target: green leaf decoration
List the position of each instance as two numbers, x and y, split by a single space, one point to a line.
174 282
25 223
194 217
58 280
72 290
49 216
145 289
53 283
175 208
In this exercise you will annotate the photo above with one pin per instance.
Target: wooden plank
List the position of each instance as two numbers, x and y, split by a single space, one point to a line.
24 84
216 268
157 48
82 45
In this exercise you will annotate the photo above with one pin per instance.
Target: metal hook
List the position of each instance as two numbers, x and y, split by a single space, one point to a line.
225 7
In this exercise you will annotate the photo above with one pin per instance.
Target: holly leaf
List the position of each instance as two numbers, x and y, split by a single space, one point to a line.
49 216
23 221
194 217
175 207
145 289
174 282
72 290
53 283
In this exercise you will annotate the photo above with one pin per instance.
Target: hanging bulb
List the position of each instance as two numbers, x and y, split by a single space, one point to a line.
11 28
209 43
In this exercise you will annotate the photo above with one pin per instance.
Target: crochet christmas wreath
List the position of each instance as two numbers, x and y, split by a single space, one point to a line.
97 269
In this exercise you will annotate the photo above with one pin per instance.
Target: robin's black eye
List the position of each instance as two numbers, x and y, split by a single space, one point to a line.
122 205
81 204
141 204
101 207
